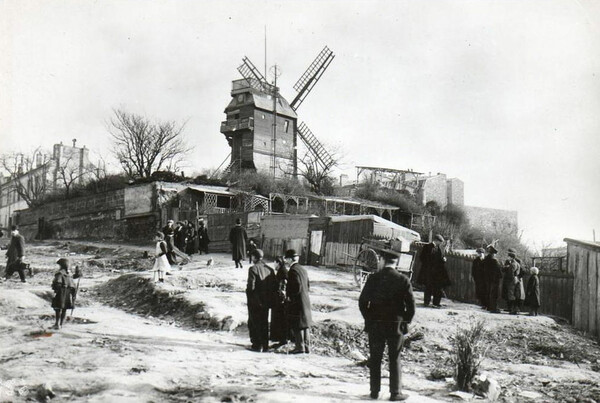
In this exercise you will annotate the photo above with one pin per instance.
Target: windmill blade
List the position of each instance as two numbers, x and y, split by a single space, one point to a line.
315 147
312 74
249 71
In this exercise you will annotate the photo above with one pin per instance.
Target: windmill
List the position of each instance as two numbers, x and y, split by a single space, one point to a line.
262 127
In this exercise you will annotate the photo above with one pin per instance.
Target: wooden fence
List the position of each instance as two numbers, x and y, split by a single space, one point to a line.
556 289
583 261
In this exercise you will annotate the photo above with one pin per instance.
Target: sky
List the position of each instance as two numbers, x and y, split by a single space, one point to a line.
504 95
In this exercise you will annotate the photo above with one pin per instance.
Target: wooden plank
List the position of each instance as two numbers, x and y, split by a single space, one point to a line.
593 292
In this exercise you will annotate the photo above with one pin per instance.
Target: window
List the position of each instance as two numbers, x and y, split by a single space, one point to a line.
286 125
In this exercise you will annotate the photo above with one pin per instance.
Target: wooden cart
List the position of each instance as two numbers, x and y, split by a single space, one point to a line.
369 258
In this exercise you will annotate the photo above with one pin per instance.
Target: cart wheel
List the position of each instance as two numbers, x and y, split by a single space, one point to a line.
367 262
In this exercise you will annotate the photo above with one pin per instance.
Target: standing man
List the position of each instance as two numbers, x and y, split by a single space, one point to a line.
203 239
259 291
238 238
169 232
433 272
388 306
14 255
493 272
298 303
510 282
477 272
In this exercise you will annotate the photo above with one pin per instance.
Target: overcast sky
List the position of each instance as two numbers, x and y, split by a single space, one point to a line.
504 95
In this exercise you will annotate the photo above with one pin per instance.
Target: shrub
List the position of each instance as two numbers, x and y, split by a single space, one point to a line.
469 345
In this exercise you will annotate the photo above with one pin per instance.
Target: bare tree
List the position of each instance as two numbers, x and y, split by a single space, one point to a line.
143 147
70 173
317 173
28 176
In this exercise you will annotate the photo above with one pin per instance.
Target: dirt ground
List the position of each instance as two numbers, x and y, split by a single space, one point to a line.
185 340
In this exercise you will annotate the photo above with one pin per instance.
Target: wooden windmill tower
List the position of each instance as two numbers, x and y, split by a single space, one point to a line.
262 127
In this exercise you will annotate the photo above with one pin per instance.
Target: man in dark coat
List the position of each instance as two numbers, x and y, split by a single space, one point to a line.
203 239
433 272
510 281
279 323
493 276
238 238
298 303
388 306
169 232
259 291
477 272
65 290
14 255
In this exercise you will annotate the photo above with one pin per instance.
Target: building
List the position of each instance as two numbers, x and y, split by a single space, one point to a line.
251 114
492 220
34 177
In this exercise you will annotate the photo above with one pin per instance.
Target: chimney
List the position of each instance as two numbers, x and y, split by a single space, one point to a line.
74 142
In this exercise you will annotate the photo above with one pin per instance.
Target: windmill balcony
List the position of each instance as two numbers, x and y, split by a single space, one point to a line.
237 124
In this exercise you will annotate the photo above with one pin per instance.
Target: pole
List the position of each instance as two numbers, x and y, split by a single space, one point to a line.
274 140
265 50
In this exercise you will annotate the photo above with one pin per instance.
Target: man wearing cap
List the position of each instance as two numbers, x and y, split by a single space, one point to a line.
493 276
388 306
64 289
433 273
203 239
259 291
14 254
298 302
477 272
238 238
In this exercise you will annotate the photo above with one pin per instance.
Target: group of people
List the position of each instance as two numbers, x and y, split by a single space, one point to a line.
186 237
493 279
284 292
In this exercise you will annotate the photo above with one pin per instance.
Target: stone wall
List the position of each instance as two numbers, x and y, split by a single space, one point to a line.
492 220
456 192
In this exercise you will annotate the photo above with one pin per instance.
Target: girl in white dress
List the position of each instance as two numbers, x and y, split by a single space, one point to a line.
161 263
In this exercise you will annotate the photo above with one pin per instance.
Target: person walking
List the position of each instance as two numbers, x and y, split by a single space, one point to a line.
161 263
203 239
532 298
279 325
477 272
15 254
493 272
433 273
64 289
259 292
298 303
238 238
387 306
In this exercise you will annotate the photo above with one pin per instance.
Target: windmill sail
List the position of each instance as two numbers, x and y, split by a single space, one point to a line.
315 147
312 74
254 77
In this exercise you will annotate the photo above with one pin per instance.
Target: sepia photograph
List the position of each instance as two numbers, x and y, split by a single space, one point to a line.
300 201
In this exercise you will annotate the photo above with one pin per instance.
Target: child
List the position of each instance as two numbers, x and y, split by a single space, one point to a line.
161 263
532 295
64 289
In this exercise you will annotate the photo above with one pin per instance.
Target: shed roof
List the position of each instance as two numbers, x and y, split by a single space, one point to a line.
211 189
589 244
381 227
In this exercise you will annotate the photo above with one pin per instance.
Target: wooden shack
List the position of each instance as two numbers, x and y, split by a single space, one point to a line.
328 241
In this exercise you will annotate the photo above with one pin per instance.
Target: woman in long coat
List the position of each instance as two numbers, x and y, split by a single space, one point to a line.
65 291
279 325
532 294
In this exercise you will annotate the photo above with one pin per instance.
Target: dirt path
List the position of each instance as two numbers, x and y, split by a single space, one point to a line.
131 340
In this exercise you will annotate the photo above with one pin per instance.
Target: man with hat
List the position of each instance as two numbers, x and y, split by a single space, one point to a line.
14 255
433 273
64 289
493 276
477 272
298 302
203 239
388 306
510 281
259 291
169 232
238 238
